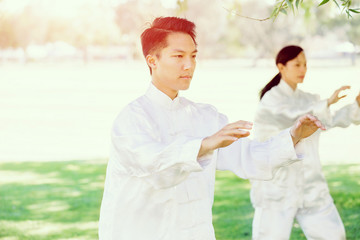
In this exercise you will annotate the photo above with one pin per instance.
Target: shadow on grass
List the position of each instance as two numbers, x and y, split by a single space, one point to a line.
344 184
61 200
233 212
49 200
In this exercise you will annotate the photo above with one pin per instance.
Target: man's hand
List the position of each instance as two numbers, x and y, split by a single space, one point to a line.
304 127
335 97
226 136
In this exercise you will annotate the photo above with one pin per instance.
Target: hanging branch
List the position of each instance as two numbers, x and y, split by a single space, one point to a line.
283 6
251 18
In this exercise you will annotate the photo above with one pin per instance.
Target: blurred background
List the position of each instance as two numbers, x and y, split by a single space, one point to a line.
67 67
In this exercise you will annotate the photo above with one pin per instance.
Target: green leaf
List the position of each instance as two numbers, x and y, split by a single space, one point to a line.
354 10
345 3
289 4
323 2
297 3
336 3
283 11
348 14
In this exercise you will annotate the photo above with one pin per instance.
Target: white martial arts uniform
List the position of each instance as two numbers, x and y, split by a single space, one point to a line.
300 189
155 186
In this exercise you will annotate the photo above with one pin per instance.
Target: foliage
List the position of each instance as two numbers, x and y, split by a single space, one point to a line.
182 6
283 6
7 34
220 33
251 35
32 26
261 39
61 200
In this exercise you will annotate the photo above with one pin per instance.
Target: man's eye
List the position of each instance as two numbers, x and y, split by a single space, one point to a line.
178 56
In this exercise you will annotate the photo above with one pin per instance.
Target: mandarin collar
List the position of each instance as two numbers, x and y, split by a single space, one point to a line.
287 89
157 96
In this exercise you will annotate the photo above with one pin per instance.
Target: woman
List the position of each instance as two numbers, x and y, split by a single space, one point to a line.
298 190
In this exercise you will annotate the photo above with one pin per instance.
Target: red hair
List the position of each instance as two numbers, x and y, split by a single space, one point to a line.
154 38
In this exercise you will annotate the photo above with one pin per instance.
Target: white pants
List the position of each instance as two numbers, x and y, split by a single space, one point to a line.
316 223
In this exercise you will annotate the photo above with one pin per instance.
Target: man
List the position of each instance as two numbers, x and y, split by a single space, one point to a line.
161 173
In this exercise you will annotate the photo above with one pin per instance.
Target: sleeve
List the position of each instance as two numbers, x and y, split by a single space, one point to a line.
346 115
277 111
285 110
137 150
251 159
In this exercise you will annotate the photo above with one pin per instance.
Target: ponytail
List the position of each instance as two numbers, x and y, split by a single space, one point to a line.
274 82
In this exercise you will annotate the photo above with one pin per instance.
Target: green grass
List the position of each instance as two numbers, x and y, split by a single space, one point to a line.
53 200
233 213
61 200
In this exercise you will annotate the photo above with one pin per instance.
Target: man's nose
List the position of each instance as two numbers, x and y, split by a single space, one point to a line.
189 63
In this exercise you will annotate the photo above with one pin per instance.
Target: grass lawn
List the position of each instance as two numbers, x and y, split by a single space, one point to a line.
233 212
61 200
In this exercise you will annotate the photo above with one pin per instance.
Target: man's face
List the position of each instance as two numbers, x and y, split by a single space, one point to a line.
174 65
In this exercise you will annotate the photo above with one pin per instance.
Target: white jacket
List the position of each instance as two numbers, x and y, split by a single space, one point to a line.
155 186
301 184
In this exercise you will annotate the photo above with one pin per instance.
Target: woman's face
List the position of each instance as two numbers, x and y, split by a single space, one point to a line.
293 72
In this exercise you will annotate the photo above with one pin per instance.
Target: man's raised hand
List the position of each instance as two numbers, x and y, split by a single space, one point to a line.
226 136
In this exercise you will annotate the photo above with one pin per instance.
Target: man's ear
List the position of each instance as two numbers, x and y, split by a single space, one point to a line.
151 61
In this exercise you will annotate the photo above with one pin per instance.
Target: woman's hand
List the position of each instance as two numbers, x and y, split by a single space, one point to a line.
304 127
335 97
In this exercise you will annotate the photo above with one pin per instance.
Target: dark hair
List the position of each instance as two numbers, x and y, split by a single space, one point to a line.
154 38
286 54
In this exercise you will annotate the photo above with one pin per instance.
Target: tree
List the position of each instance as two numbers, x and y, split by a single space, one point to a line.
132 17
262 39
7 34
94 26
29 28
348 29
347 6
